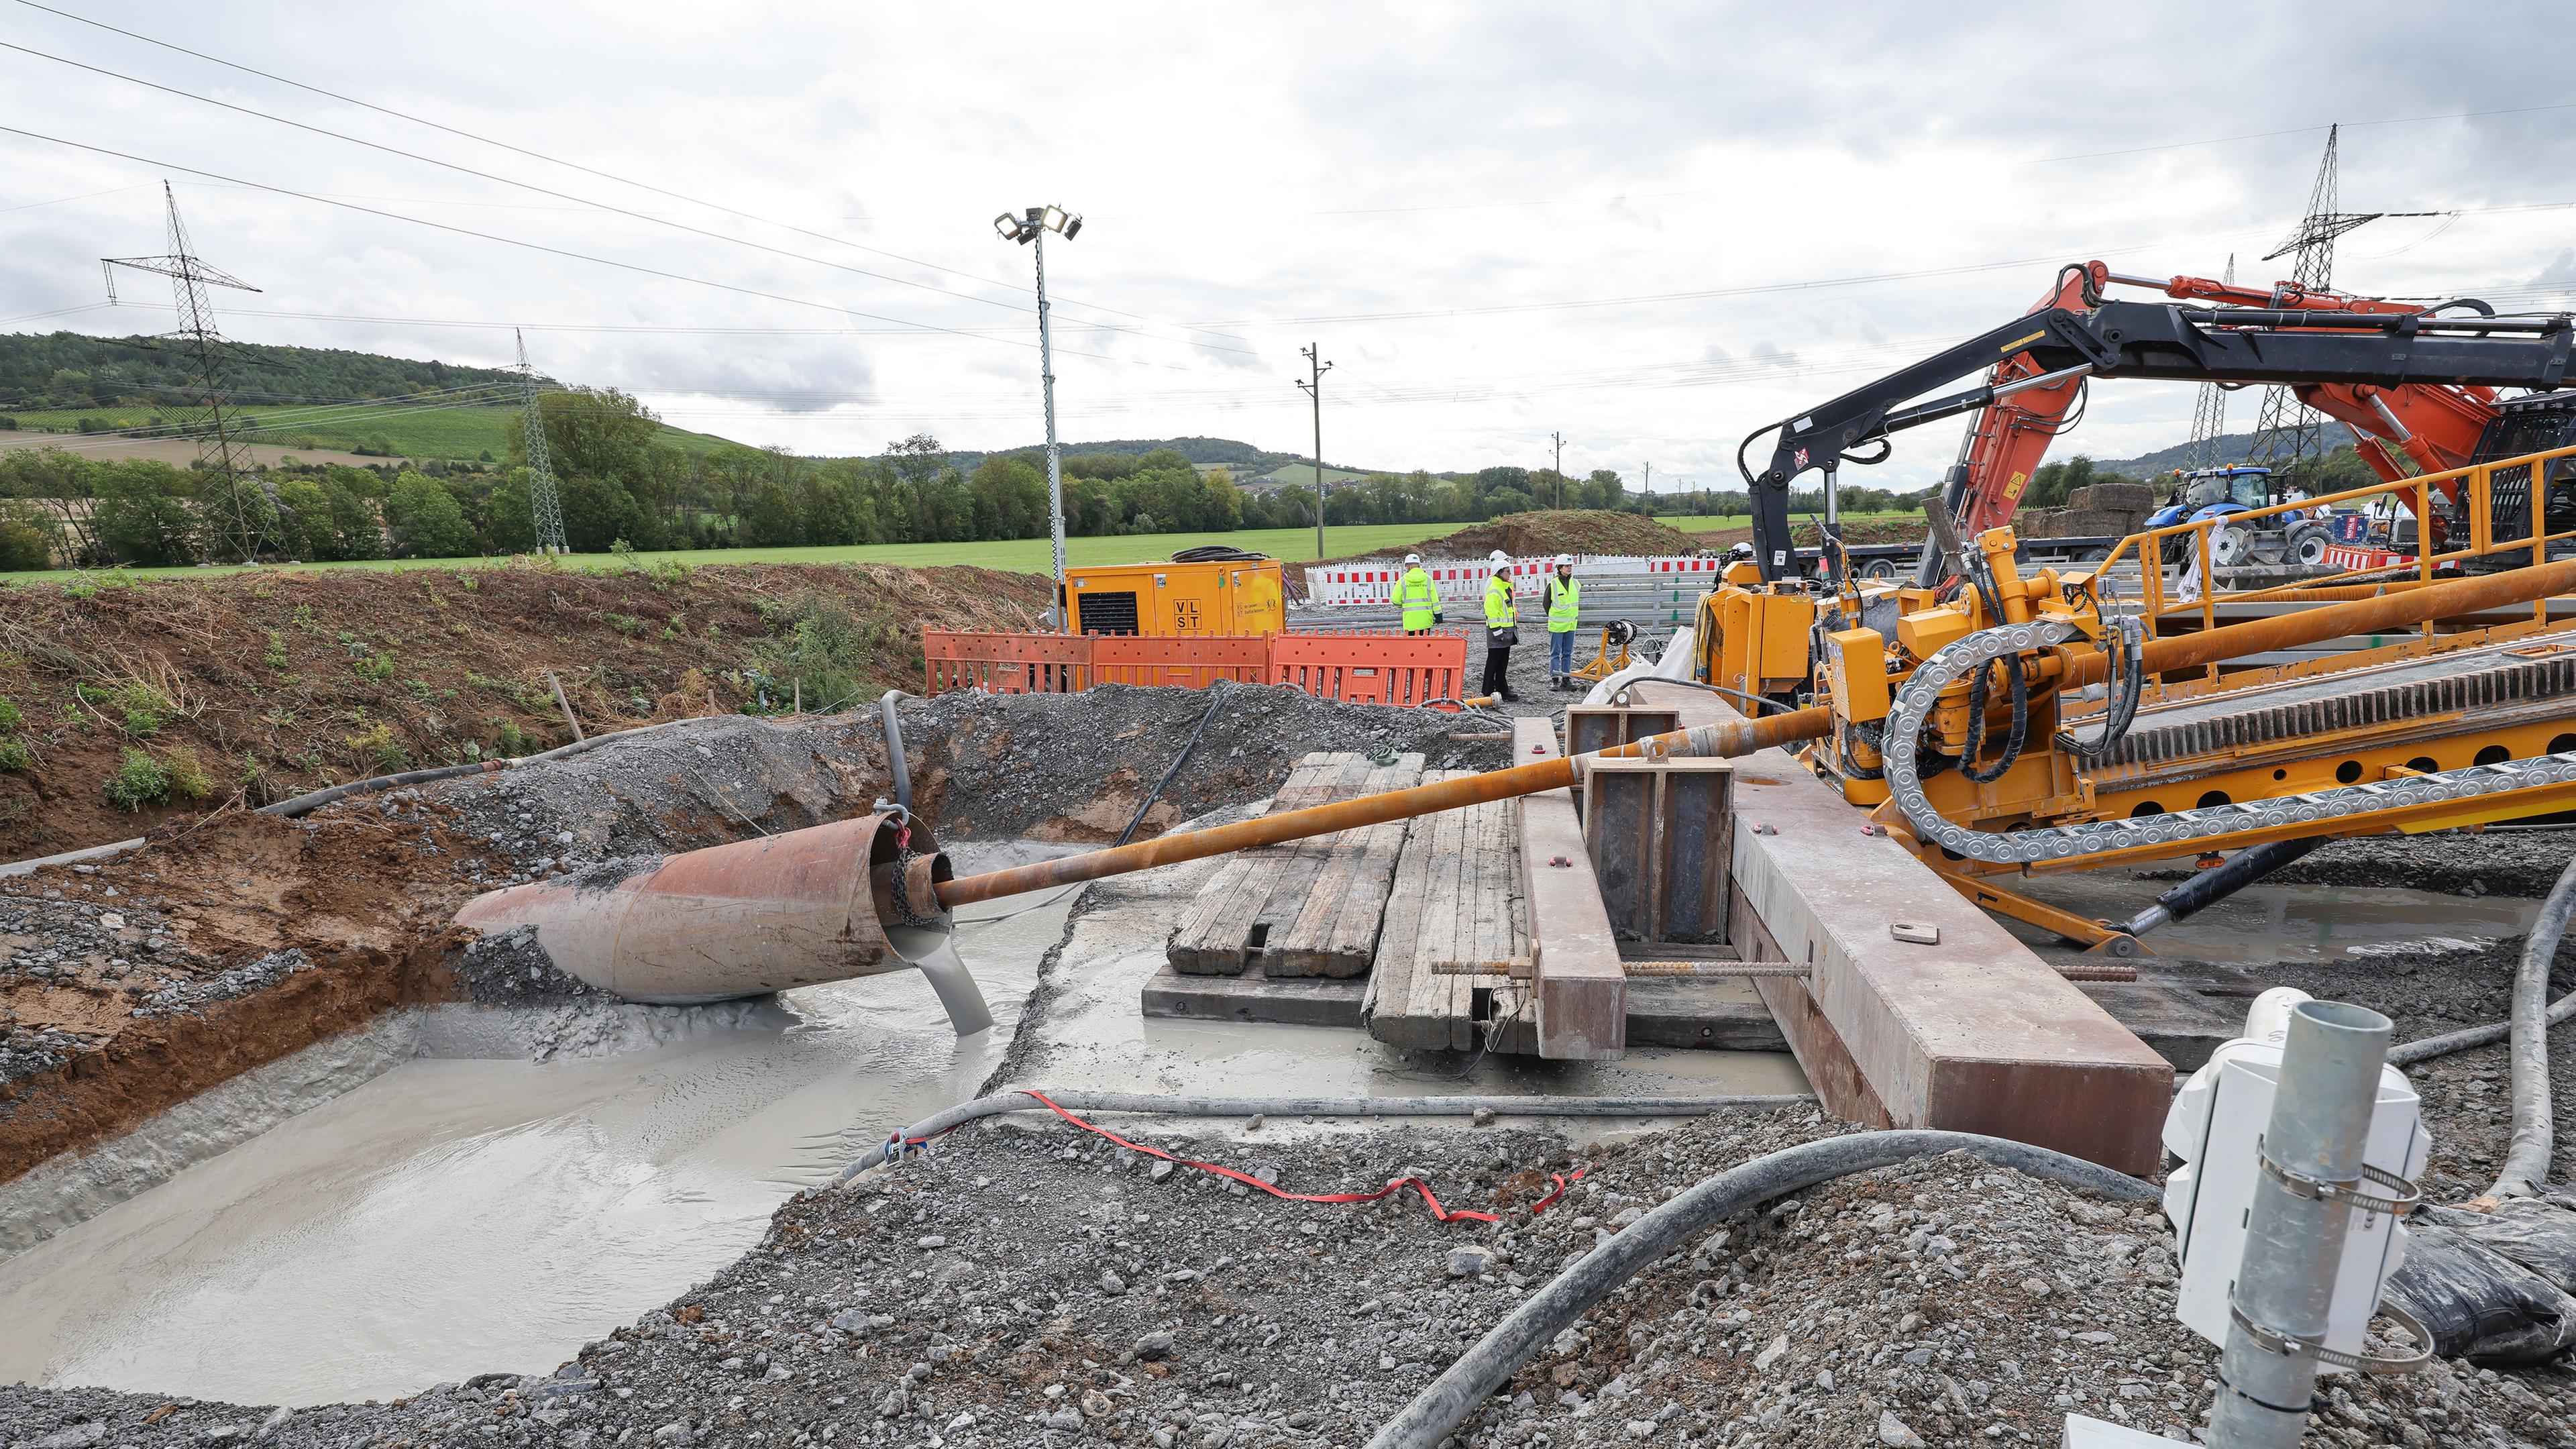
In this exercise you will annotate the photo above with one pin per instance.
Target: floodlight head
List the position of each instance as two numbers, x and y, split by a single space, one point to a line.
1072 228
1053 219
1037 215
1008 226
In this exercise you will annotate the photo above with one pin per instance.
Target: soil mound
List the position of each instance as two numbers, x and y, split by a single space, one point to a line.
1855 530
1592 530
128 702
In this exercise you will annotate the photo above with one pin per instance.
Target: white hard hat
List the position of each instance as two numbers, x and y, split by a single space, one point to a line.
1413 558
1565 560
1498 556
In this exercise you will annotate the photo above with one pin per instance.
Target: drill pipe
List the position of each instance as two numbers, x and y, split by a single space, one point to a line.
1743 737
1739 737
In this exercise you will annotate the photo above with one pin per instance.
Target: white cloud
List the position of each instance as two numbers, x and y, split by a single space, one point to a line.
1502 220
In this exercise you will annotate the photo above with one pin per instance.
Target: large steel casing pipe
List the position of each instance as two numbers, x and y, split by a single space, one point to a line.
755 916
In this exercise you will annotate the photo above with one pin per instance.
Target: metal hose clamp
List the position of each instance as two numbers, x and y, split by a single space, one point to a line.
2274 1341
2348 1193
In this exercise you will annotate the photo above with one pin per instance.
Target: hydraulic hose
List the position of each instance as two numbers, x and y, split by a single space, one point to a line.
307 803
1216 696
1439 1408
2526 1159
1501 1106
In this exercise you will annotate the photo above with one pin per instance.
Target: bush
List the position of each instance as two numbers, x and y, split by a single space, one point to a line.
10 718
187 774
14 754
23 547
377 746
138 782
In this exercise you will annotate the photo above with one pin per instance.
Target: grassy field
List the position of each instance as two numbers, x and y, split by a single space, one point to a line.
459 434
1024 555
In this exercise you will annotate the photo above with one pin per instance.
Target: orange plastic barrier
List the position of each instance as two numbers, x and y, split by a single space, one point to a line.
1365 668
1371 668
1180 661
1006 663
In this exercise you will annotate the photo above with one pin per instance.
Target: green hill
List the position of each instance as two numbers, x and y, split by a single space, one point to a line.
295 397
2227 448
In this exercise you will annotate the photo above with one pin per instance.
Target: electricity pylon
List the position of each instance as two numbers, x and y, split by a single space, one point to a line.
237 508
544 499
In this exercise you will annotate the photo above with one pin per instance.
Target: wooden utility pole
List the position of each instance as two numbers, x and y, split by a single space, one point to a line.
1314 388
1560 468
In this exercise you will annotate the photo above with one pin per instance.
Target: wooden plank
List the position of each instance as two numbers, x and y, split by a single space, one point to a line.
1446 935
1582 993
1253 997
1217 936
1974 1033
1390 986
1335 931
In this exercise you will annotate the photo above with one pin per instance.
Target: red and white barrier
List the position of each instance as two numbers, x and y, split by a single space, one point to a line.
1372 584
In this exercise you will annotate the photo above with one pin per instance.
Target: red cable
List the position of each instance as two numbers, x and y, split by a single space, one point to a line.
1438 1213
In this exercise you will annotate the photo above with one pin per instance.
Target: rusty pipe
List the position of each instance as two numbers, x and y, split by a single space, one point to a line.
2379 615
851 898
1737 737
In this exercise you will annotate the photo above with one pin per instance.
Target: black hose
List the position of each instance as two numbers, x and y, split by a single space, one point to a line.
2128 685
307 803
896 765
2020 684
1216 696
1439 1409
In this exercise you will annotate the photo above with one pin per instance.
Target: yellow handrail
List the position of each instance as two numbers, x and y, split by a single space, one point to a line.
2479 478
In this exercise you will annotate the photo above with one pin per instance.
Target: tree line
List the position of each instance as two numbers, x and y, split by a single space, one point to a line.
619 482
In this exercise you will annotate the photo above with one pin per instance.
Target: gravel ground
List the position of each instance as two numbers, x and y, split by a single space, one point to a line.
1075 766
2454 862
937 1303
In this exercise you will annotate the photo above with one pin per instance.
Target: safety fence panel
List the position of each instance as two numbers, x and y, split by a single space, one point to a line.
1366 667
1006 663
1371 668
1177 661
1372 584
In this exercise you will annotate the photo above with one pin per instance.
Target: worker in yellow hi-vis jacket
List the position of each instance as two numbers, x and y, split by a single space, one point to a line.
1564 606
1416 598
1502 627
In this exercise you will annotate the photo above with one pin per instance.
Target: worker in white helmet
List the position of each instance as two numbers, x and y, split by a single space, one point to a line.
1502 626
1564 602
1415 598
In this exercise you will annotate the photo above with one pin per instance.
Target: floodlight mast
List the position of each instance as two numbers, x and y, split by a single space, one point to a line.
1032 227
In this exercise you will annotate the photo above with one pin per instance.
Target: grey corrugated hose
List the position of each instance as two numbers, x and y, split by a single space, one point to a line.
1501 1106
1438 1410
2526 1162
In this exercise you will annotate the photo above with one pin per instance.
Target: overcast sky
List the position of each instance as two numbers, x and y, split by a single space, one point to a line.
1652 228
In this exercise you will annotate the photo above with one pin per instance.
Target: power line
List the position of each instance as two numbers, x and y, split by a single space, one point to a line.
568 196
2292 131
558 161
635 267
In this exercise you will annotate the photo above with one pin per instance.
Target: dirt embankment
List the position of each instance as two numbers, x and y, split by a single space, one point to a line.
131 702
1855 530
1522 535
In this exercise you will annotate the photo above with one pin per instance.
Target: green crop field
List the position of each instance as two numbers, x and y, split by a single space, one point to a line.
1024 555
460 434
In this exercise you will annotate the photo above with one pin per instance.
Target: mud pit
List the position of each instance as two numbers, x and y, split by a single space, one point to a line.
1012 1289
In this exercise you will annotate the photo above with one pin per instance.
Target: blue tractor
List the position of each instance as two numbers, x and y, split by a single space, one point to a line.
2204 493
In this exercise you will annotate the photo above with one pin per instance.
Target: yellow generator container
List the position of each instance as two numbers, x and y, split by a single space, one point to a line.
1219 596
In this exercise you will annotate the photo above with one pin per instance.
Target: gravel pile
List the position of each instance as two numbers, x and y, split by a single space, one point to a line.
2522 863
510 969
1075 766
1039 1286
